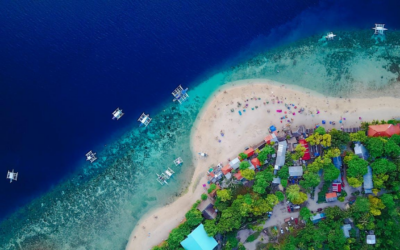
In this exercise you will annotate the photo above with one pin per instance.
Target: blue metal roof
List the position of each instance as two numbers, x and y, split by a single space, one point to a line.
199 240
368 184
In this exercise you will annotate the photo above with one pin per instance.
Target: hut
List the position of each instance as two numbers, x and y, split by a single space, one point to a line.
329 197
316 218
238 176
207 209
361 151
371 239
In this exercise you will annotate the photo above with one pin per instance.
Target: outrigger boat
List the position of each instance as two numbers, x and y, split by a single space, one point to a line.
178 161
163 177
12 176
91 156
180 94
144 120
117 114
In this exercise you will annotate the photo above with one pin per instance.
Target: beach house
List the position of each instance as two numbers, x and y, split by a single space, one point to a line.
330 197
280 157
368 184
199 240
226 170
207 209
249 152
383 130
256 162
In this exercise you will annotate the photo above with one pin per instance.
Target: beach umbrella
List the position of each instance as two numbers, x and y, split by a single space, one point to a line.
272 128
323 122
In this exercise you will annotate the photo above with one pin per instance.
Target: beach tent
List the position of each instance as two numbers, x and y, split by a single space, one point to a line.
272 128
383 130
199 240
249 152
323 122
306 156
235 163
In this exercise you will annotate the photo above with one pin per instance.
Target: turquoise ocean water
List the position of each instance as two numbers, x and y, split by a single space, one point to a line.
98 207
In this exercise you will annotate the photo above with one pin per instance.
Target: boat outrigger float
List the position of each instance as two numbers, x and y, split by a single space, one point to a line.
163 177
180 94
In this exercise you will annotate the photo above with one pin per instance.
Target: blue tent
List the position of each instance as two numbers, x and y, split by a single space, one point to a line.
272 128
323 122
199 240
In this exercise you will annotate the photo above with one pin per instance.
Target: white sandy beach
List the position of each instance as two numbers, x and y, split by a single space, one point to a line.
247 130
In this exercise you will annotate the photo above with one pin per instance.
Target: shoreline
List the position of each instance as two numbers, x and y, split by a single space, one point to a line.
249 129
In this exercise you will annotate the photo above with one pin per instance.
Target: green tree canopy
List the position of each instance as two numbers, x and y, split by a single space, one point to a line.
331 173
263 155
299 152
310 180
383 166
332 152
204 197
359 136
320 130
357 168
305 213
318 164
375 146
248 174
339 138
263 180
242 156
210 227
376 205
294 195
280 195
284 172
193 217
244 165
391 148
224 194
354 182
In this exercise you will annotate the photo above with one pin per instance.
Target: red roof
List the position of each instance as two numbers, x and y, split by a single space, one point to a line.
269 137
212 174
336 187
383 130
255 162
307 153
330 195
238 176
249 152
227 169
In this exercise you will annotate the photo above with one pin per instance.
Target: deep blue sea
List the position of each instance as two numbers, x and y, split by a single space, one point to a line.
66 65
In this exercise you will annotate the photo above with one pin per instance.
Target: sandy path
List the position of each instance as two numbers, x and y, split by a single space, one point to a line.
246 130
